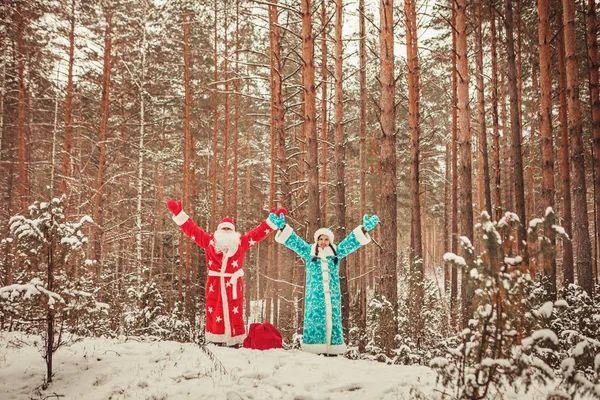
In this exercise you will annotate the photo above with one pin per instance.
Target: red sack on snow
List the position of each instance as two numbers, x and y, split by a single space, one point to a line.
263 337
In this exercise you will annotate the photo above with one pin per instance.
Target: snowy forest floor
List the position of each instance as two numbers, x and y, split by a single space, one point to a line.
134 369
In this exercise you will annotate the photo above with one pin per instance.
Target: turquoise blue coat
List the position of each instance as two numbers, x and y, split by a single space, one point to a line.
322 298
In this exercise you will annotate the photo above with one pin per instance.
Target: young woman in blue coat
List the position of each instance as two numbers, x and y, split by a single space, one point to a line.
322 298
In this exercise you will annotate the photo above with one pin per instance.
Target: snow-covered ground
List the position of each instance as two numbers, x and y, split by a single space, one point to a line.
130 369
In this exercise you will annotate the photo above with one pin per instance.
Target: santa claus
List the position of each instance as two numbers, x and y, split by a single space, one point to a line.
225 250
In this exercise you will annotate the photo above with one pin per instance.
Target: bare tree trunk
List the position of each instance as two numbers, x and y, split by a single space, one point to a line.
515 125
324 122
565 165
547 145
21 128
213 214
495 127
454 232
482 153
363 164
54 131
416 240
465 183
310 128
226 113
340 161
104 109
187 163
530 199
580 222
68 138
447 220
592 36
140 187
236 133
389 231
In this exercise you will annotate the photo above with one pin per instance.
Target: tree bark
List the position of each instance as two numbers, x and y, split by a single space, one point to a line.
310 128
68 138
104 110
482 153
21 123
546 141
592 40
416 240
495 125
324 122
565 164
515 125
215 164
454 232
465 168
363 163
226 112
581 237
388 280
340 161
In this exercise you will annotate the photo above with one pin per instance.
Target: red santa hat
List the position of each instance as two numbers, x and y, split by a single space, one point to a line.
226 223
324 231
263 337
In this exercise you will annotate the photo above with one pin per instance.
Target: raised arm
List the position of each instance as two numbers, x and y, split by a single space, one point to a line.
265 228
358 237
291 240
188 226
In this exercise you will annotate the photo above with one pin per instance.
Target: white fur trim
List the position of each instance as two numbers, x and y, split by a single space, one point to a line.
323 348
271 224
180 218
228 340
226 225
324 231
283 235
323 253
363 238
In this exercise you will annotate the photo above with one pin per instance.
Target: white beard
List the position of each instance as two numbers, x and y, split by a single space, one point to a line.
225 240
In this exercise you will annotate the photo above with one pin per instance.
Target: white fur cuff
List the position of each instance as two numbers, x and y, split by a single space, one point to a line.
181 218
271 224
363 238
284 234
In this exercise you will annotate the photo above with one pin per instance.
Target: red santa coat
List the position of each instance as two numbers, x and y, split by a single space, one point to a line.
224 286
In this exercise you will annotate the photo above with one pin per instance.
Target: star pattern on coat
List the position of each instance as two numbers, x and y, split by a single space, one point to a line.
193 238
252 242
210 263
267 231
234 263
235 310
211 289
212 242
218 319
210 310
228 283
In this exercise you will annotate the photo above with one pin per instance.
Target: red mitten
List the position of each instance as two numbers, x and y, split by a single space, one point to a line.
282 210
174 206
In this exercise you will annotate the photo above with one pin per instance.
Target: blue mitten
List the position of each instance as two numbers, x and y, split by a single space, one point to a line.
278 221
370 223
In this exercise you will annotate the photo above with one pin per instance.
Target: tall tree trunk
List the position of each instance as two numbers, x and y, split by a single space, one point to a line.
389 231
592 37
565 164
236 132
310 128
447 218
464 177
68 138
226 113
324 122
140 186
581 230
507 166
416 242
21 124
546 141
187 162
340 161
362 48
104 109
54 132
482 153
495 127
215 164
515 125
530 199
454 231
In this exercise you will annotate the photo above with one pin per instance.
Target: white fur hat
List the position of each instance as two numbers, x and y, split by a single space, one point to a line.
324 231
